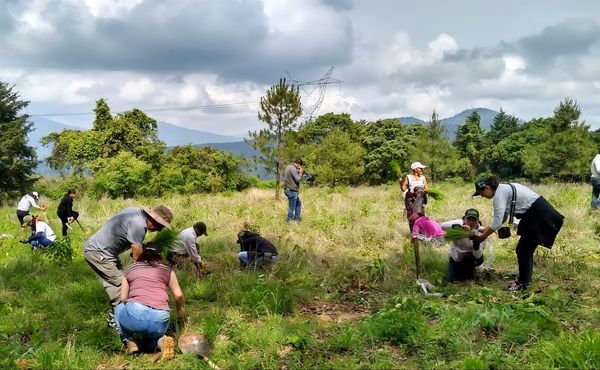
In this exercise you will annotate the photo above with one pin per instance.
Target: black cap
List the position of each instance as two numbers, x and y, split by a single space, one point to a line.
479 184
201 227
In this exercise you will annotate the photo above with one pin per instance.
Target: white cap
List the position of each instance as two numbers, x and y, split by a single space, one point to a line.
416 165
35 194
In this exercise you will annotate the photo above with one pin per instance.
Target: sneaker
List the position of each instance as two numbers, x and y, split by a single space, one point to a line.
110 321
516 286
131 347
166 345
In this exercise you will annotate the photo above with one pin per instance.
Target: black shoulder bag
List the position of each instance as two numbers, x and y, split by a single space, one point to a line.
504 231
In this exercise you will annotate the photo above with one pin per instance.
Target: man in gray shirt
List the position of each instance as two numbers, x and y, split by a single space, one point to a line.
125 230
291 183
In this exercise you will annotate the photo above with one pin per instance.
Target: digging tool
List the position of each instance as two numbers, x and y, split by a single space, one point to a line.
197 344
79 223
417 258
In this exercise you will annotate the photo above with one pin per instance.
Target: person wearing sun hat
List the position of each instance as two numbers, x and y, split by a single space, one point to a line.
123 231
414 186
464 254
539 222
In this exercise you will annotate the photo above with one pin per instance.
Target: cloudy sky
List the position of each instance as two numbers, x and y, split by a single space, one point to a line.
216 58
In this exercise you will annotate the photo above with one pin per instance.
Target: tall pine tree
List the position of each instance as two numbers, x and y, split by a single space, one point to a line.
17 159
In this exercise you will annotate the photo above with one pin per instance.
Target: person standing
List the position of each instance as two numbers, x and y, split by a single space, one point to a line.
123 231
26 202
464 254
187 248
539 221
65 211
595 181
414 187
291 183
144 310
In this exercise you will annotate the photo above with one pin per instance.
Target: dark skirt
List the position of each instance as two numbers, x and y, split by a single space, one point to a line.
541 222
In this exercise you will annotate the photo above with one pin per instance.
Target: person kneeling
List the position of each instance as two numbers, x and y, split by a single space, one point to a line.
465 253
255 251
144 309
42 235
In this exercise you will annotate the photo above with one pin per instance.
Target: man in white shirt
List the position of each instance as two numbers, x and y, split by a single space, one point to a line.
187 248
595 180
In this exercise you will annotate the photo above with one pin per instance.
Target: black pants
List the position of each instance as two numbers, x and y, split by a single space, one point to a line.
462 270
525 249
20 215
65 220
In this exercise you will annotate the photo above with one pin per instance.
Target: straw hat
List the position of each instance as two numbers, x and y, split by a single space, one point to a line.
161 214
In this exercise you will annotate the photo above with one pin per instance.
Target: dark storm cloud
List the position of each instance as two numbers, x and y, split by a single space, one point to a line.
574 37
340 4
224 37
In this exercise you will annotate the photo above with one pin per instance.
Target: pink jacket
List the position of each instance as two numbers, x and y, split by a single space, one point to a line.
424 226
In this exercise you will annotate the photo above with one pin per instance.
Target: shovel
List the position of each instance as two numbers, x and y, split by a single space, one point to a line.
197 344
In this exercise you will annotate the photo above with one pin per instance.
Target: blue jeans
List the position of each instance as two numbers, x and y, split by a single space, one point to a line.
257 262
595 192
136 319
39 240
294 205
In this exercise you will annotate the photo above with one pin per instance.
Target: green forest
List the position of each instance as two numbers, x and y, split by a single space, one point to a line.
342 294
122 156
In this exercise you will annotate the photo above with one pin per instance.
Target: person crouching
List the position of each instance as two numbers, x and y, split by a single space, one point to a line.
255 251
465 254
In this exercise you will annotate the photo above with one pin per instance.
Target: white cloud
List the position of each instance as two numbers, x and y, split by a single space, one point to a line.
136 90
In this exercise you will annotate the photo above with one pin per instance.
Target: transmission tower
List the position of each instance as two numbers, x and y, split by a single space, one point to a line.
310 87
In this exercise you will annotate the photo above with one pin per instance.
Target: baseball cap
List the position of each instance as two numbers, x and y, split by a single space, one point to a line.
480 183
471 212
416 165
201 227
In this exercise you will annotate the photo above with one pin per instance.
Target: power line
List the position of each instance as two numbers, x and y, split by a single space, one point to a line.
309 87
173 109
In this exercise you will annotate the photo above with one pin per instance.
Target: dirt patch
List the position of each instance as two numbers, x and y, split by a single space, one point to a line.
334 312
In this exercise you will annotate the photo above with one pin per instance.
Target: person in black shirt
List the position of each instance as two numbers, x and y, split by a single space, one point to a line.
255 251
65 211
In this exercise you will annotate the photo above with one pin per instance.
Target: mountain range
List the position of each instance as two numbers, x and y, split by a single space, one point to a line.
174 135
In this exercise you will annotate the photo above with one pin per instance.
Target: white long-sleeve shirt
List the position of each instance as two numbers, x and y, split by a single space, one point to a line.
41 226
186 245
503 198
460 248
595 167
26 202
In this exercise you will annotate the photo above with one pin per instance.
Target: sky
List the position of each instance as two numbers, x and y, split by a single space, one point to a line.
205 64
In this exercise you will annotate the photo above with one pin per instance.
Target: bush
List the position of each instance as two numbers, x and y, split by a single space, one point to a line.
402 323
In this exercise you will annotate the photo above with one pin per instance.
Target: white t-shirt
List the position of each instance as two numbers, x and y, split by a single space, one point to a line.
503 198
41 226
419 182
461 247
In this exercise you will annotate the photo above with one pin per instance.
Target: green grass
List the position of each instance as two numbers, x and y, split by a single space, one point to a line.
342 296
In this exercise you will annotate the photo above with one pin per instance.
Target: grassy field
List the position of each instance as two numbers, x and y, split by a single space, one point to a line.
343 294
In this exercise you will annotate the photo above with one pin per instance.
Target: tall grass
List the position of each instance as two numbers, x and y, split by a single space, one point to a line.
342 295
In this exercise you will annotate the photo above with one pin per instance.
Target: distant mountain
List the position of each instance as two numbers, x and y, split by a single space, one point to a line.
452 123
171 134
409 120
176 135
240 148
